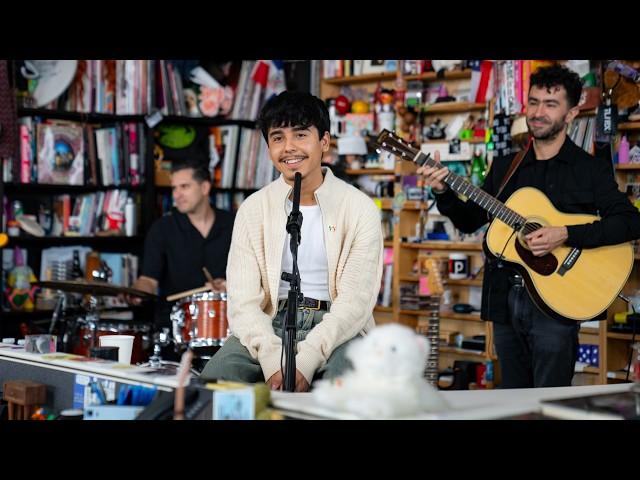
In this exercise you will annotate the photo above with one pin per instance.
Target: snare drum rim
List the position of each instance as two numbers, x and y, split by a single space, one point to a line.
204 296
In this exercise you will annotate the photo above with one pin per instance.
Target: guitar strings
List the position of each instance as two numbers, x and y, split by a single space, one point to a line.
528 227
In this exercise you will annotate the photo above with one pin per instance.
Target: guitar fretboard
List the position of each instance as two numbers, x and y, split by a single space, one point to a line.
431 330
459 185
392 143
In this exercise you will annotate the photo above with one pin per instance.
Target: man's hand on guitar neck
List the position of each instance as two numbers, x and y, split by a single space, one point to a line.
434 176
546 239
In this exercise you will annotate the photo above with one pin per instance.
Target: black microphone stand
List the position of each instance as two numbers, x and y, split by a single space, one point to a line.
294 225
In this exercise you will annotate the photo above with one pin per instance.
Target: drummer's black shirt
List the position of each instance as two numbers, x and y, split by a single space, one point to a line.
175 252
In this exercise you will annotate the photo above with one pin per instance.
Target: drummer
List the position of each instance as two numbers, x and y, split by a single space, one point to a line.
191 236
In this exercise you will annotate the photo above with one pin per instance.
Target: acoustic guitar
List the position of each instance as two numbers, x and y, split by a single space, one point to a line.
568 282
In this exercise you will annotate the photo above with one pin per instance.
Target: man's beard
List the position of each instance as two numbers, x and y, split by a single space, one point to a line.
550 134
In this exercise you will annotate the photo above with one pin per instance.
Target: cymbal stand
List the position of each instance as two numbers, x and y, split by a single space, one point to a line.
92 318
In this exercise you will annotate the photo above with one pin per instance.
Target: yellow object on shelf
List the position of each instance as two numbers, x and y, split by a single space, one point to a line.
620 317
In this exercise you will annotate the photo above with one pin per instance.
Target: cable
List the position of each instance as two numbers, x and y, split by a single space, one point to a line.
501 256
633 336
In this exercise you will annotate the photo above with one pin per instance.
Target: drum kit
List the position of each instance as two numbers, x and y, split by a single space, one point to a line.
198 317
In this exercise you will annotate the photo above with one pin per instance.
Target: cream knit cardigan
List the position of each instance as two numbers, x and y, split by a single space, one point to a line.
354 244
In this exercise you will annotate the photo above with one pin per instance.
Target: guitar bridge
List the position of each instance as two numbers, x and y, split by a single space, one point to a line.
569 261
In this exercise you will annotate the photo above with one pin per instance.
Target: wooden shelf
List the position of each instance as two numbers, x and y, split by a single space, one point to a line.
433 76
586 369
388 243
444 245
629 126
169 188
452 107
109 117
414 205
622 336
385 203
628 166
620 375
370 171
462 351
369 77
409 278
462 283
380 308
471 140
117 242
467 282
44 189
416 313
386 76
589 331
460 316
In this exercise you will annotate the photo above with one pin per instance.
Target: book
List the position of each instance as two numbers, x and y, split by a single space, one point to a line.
608 406
60 154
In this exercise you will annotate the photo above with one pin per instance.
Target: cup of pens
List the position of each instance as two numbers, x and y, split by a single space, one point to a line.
106 353
124 342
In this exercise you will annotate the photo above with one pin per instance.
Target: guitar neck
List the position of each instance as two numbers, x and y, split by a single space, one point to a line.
462 186
432 332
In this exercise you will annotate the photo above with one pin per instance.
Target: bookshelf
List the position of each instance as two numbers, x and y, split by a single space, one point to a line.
616 345
150 117
406 254
613 346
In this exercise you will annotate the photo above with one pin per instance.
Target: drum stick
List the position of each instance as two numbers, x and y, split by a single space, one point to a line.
208 275
183 378
177 296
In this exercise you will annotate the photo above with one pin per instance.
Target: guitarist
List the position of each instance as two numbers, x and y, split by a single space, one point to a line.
535 350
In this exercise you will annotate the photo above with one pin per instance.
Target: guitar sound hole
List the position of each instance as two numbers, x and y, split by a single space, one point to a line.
545 265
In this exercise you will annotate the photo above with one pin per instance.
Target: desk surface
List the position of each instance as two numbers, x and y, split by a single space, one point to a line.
78 364
465 404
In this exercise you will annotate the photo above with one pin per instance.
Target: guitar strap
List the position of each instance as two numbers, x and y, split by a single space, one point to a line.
517 160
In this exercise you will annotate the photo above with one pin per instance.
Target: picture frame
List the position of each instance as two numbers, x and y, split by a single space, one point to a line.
379 66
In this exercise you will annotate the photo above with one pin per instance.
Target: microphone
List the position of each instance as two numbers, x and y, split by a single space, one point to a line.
4 239
294 224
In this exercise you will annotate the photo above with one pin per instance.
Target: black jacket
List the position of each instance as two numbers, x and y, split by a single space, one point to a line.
576 183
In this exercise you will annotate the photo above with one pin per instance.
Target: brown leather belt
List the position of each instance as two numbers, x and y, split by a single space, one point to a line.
310 303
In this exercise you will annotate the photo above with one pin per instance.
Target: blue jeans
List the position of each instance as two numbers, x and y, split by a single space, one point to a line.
534 350
234 362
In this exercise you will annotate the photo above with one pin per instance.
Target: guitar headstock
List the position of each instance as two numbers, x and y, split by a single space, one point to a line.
392 143
434 276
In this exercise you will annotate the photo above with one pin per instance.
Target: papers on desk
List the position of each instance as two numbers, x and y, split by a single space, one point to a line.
608 406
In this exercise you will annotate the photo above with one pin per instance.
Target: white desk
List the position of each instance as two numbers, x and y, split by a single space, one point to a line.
66 362
465 404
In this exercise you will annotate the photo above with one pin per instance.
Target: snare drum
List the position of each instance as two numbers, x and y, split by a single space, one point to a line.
200 320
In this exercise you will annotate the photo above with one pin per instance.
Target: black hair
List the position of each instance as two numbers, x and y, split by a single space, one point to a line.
200 170
294 109
559 75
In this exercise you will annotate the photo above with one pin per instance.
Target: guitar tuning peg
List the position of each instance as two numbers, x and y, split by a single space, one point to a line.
378 151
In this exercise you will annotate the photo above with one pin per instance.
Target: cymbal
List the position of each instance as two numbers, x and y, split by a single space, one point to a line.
95 288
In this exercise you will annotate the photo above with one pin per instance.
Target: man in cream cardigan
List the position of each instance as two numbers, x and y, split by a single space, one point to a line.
339 258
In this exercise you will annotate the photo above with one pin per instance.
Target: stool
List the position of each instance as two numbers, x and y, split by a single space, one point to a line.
23 397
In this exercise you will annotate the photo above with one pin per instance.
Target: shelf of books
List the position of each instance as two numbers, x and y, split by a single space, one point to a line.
108 141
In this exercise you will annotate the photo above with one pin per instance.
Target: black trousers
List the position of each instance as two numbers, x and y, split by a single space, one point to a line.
534 350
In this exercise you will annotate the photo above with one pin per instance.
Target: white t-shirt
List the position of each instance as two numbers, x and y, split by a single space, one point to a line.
312 257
